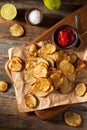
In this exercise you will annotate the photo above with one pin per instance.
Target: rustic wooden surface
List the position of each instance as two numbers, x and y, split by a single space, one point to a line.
9 115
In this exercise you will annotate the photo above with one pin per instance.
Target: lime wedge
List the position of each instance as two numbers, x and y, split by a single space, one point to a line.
8 11
52 4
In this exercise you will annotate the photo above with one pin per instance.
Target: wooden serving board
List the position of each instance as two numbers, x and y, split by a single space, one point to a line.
47 35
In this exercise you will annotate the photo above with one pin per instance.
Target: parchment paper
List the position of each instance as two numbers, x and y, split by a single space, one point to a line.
53 99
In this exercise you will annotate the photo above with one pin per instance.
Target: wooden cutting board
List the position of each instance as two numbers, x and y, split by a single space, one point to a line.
47 35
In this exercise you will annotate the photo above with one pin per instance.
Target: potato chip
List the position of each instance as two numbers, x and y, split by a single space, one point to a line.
66 67
33 50
49 48
31 58
66 86
30 100
40 70
42 88
40 52
17 30
72 118
80 89
50 61
57 79
3 86
73 58
28 77
80 64
15 64
54 56
43 84
40 93
37 60
71 77
61 53
30 65
40 60
63 56
66 56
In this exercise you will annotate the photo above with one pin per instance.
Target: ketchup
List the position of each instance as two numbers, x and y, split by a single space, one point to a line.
65 37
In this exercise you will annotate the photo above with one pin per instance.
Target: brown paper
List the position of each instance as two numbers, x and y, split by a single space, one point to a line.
54 98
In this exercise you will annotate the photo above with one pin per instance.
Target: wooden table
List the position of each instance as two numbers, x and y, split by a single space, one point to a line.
9 115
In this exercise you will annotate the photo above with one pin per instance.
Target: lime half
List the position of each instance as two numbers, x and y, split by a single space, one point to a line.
8 11
52 4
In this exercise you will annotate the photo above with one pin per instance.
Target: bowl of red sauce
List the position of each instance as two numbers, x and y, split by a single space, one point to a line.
66 37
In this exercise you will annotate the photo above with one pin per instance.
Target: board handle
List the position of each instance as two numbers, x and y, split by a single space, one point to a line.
50 113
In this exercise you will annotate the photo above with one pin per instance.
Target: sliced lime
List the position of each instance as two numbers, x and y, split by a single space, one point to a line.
52 4
8 11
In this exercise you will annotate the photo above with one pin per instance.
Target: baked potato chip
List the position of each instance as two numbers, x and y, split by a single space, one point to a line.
66 56
72 118
17 30
71 77
63 56
40 53
54 56
31 58
57 79
66 67
73 58
43 84
33 50
3 86
15 64
60 53
80 89
28 77
42 87
30 100
50 61
30 65
80 64
49 48
66 86
40 70
40 93
40 60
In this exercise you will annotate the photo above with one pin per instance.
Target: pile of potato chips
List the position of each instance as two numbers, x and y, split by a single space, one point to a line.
47 69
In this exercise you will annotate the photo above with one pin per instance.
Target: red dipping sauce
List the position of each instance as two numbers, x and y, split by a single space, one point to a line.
65 37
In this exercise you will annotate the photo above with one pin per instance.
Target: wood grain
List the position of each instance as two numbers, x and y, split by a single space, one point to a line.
10 118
